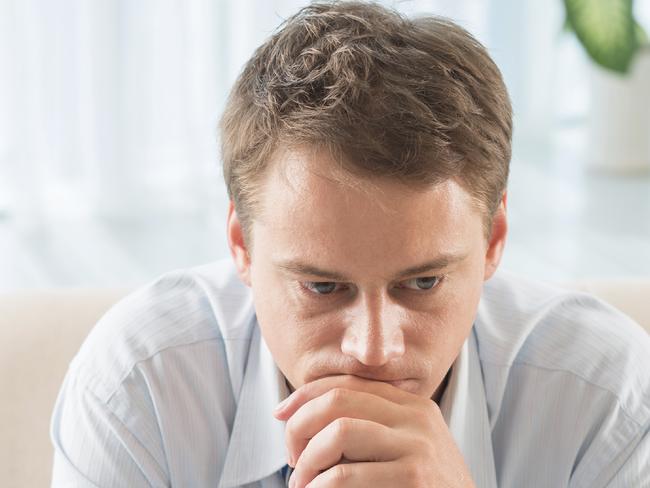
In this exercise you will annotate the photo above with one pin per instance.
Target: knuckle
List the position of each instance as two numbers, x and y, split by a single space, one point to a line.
424 402
342 426
429 411
434 408
341 473
335 397
307 463
413 474
422 415
420 445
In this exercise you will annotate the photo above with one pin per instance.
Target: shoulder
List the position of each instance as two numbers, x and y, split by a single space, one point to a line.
567 383
157 378
526 324
181 310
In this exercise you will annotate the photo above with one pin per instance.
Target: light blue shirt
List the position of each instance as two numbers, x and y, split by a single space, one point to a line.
175 387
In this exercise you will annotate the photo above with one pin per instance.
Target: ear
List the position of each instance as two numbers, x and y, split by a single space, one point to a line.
497 239
238 249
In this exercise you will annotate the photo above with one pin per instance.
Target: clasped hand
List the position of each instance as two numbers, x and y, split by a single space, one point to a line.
346 431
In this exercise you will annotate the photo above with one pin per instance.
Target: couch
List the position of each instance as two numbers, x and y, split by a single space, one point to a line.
40 331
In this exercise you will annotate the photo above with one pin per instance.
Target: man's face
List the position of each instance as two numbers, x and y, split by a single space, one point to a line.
374 279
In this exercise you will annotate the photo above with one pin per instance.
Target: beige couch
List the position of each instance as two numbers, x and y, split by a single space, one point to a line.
41 331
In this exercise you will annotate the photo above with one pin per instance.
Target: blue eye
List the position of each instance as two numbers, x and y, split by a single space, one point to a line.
422 284
321 287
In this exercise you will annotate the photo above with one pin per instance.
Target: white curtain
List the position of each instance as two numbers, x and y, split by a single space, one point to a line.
110 107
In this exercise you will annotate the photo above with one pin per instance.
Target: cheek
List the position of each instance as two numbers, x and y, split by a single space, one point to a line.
300 349
281 334
295 334
445 326
281 313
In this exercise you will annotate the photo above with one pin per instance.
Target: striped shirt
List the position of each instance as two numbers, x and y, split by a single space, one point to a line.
175 386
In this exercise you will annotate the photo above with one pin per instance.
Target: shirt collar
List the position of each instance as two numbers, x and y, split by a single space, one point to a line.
257 449
464 408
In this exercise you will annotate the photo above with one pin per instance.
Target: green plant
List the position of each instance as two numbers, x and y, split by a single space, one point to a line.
608 31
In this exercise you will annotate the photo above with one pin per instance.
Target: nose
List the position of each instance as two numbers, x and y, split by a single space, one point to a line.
374 334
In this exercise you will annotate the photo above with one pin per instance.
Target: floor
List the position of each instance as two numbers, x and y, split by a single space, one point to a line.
566 223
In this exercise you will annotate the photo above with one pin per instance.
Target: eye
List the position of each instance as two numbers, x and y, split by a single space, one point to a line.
322 287
421 284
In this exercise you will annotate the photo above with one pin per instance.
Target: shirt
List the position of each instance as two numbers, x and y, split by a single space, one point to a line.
175 386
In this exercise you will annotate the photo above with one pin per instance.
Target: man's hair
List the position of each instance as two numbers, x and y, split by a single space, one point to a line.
417 100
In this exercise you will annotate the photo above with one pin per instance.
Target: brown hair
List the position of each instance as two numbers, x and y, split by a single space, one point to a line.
418 100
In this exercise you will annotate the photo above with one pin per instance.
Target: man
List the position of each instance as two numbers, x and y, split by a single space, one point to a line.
366 157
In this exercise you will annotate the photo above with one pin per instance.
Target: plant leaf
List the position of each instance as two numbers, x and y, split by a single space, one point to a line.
606 29
641 34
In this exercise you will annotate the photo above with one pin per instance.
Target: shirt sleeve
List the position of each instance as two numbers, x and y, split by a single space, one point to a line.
92 446
635 470
621 461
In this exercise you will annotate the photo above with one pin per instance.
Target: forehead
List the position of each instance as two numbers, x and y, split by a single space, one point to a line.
310 204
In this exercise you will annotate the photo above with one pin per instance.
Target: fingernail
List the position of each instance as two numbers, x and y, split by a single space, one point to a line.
292 482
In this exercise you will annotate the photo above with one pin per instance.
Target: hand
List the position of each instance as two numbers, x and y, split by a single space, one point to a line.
346 431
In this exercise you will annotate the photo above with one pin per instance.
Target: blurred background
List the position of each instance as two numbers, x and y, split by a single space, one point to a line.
109 167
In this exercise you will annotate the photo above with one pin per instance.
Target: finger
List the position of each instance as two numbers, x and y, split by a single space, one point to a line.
350 439
377 475
338 402
316 388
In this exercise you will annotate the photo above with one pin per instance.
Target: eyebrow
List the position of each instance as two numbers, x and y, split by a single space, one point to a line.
300 268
